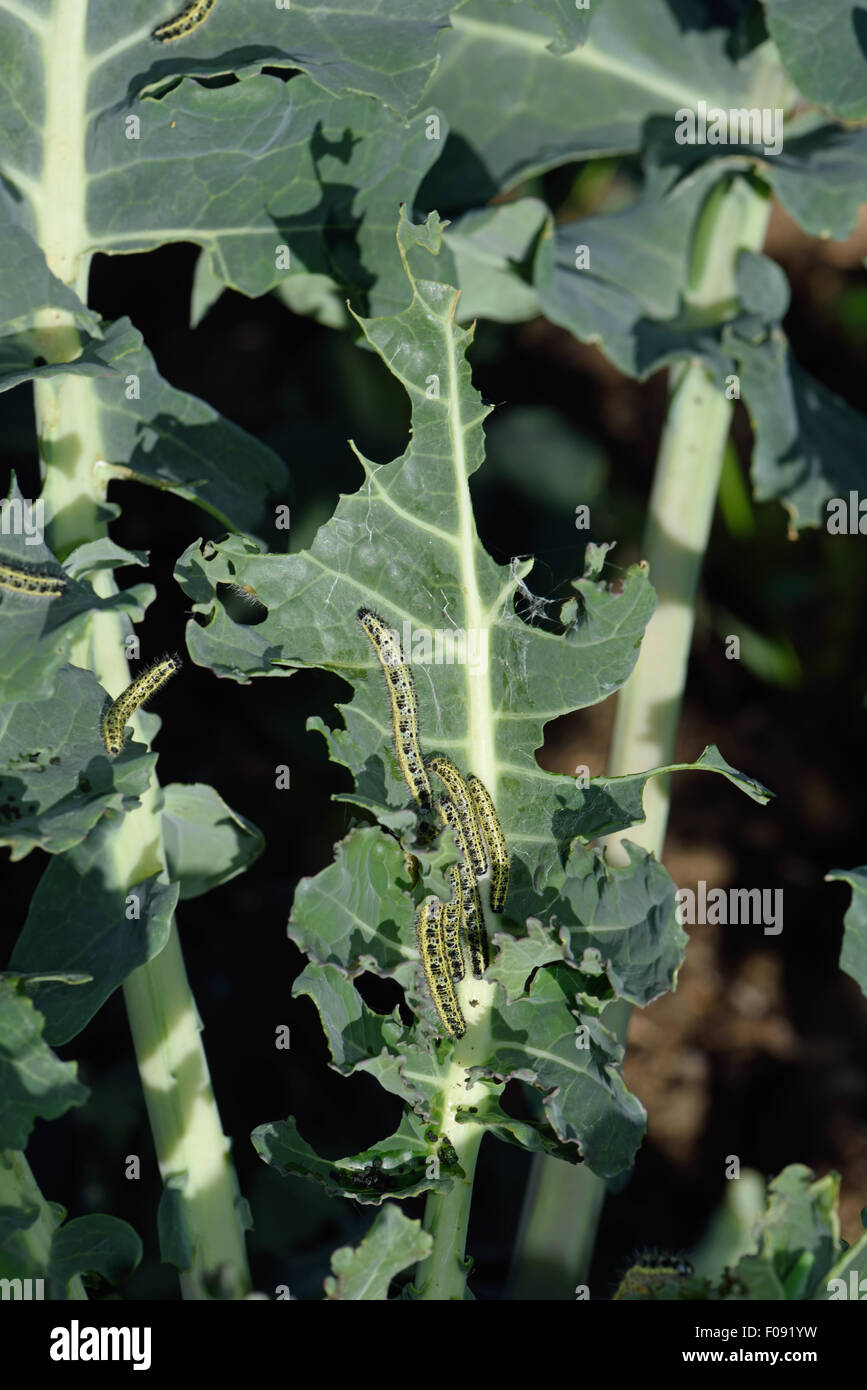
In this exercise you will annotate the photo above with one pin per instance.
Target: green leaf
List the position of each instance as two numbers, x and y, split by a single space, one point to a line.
392 1244
524 1134
168 439
317 297
56 780
96 1244
151 433
279 181
823 47
102 554
853 955
629 916
629 298
395 1167
354 913
79 920
527 108
820 176
799 1237
851 1268
354 1031
571 809
763 286
411 1063
519 957
21 355
27 286
809 444
492 254
388 51
205 842
34 1083
37 634
534 1039
17 1256
405 544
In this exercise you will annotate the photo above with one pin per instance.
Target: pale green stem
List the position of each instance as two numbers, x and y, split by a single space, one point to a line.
191 1147
192 1150
559 1226
18 1192
443 1275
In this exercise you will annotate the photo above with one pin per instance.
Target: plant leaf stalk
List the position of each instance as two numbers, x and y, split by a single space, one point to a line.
564 1204
207 1214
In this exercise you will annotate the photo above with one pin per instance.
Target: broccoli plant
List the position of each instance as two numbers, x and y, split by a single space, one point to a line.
394 176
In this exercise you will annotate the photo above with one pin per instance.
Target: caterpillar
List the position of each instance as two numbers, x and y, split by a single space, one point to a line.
451 926
429 930
650 1271
467 894
184 23
495 840
404 704
21 579
121 710
460 796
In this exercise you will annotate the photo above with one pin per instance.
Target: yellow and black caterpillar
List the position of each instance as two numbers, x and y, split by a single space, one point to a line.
404 704
467 809
24 579
649 1272
429 929
121 710
184 23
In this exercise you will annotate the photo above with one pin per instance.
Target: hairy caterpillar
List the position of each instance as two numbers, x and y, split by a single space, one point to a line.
451 927
404 704
189 19
649 1272
21 579
121 710
471 908
495 840
459 794
429 929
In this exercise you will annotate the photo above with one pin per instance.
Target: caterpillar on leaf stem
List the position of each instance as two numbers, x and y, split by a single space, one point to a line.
404 704
429 930
468 894
459 795
21 579
121 710
495 840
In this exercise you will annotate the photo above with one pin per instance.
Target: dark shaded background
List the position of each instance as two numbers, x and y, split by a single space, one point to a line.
762 1051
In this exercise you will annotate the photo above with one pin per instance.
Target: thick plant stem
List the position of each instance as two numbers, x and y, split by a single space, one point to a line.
564 1205
202 1220
443 1275
207 1223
